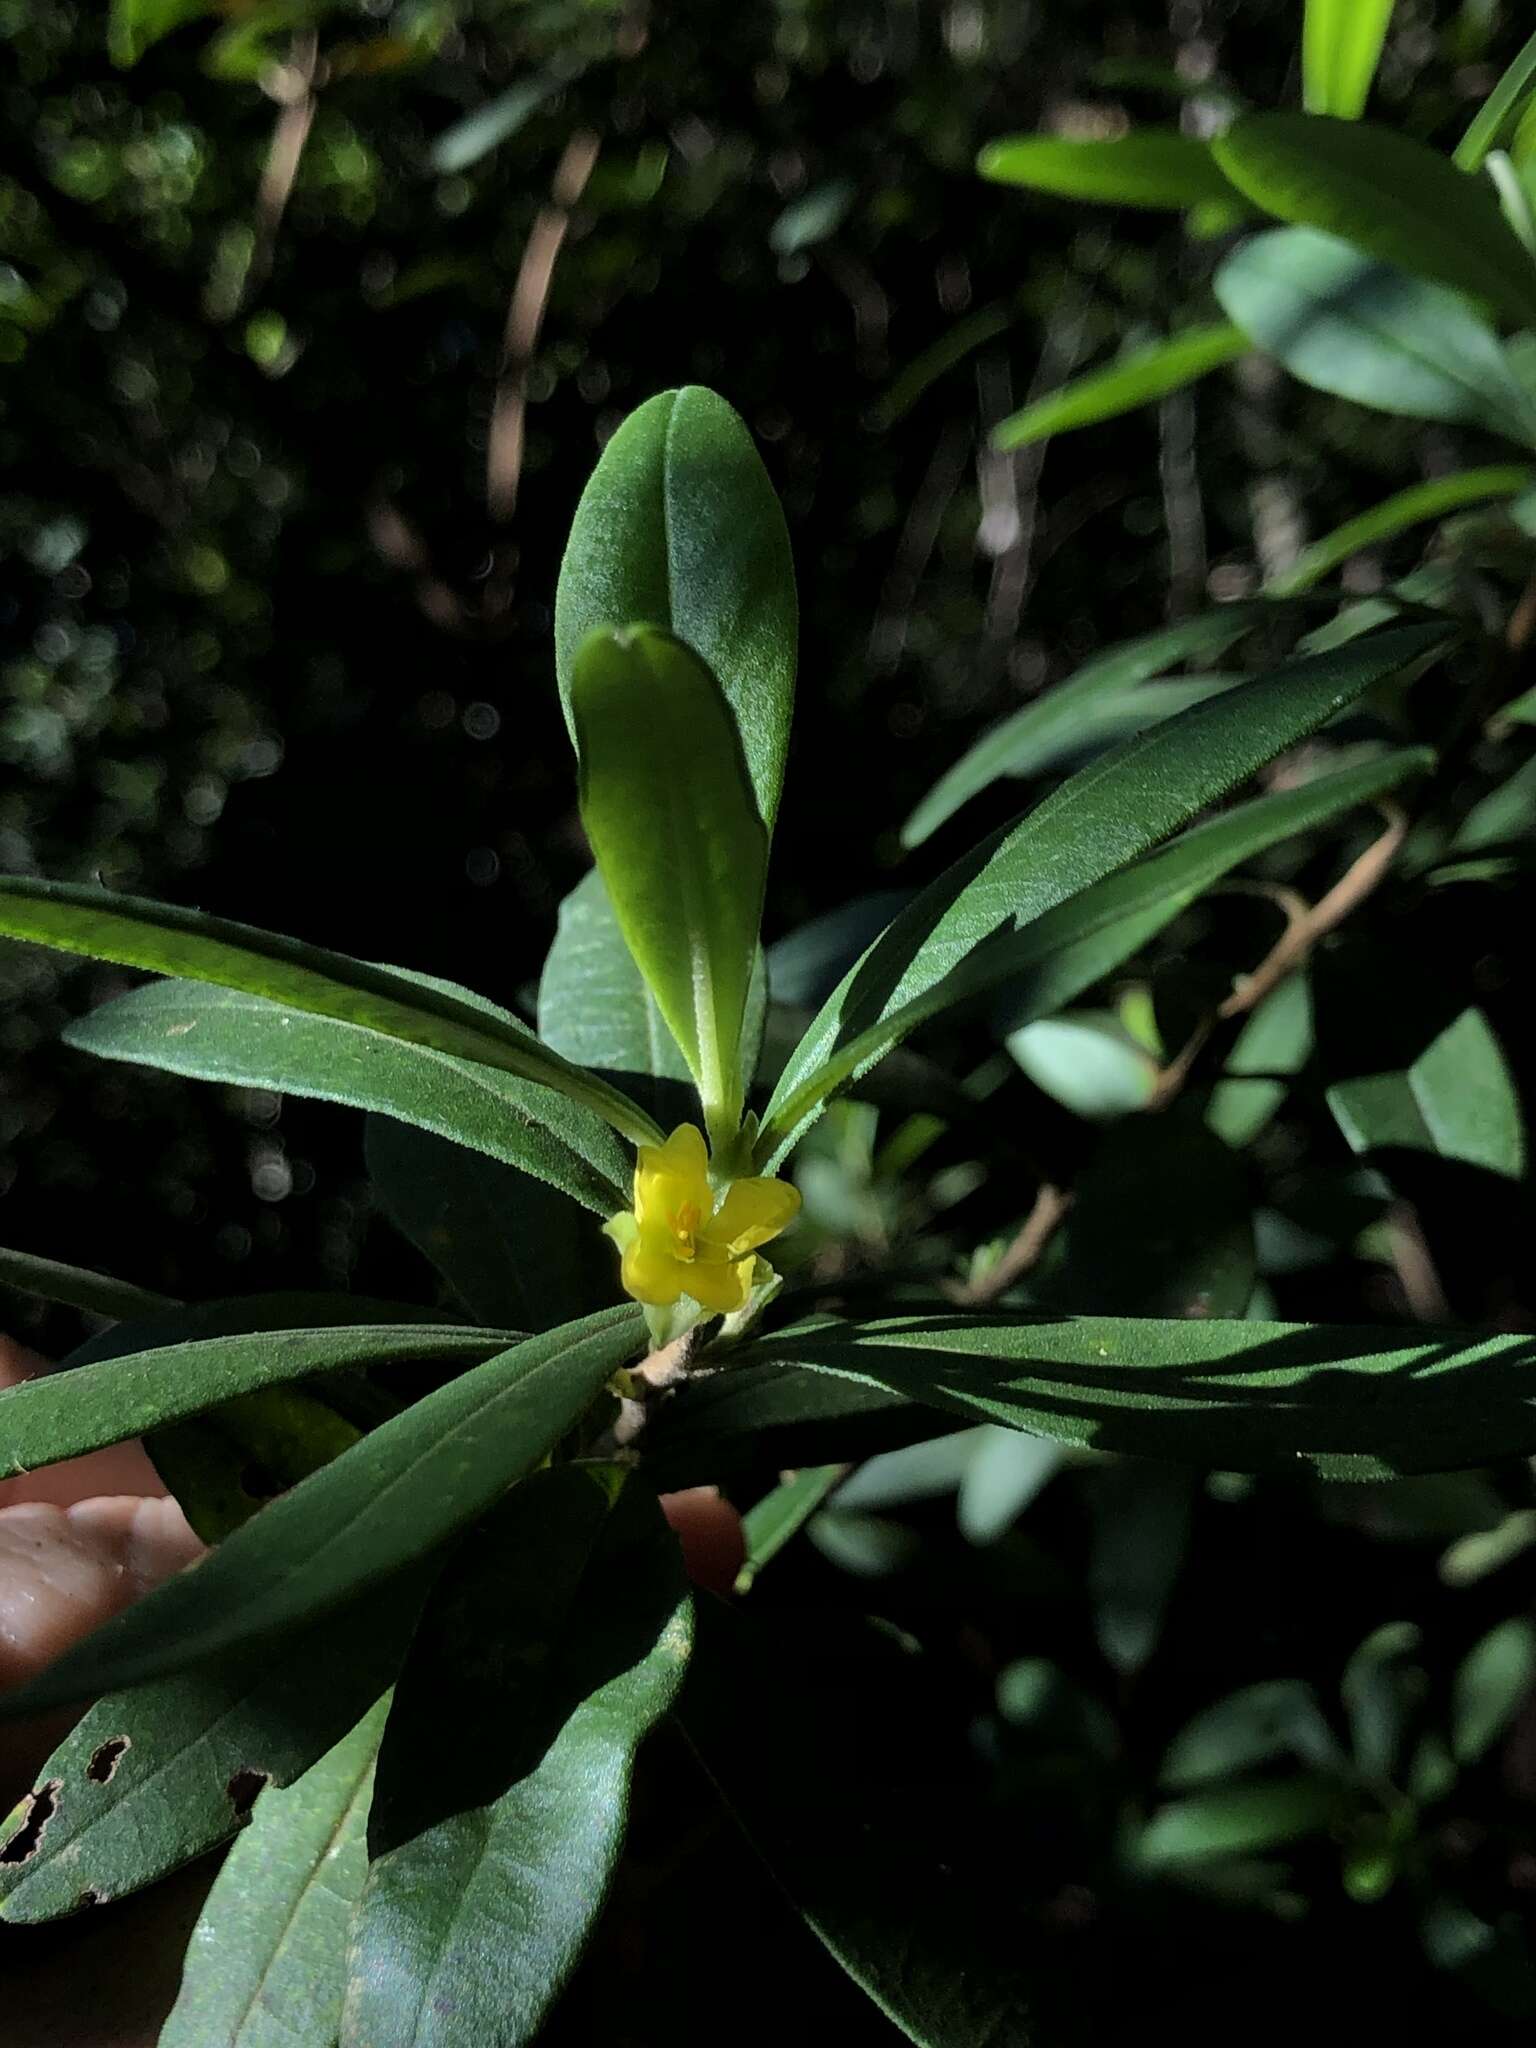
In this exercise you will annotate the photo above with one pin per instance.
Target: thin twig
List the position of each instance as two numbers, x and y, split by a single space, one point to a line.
1415 1267
292 85
919 538
525 318
1035 1233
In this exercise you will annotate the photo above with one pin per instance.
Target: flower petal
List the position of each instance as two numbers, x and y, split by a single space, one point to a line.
672 1177
752 1212
719 1285
651 1273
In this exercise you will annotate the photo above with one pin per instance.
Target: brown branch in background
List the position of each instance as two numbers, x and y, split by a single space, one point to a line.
1035 1233
1183 504
525 318
292 85
1415 1266
1521 629
1302 933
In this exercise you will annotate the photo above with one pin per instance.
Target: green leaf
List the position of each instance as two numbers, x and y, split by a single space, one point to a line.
1394 198
265 1966
1278 1718
394 1496
1141 1524
1004 1472
63 1414
1236 1820
384 1003
1132 380
488 1878
1366 331
477 134
679 528
1341 43
812 217
678 841
595 1009
213 1034
1380 1687
1088 1062
1151 167
1491 1686
153 1777
1161 1225
514 1251
780 1516
1488 123
1357 1403
74 1287
1457 1100
1415 506
1274 1044
946 1966
225 1465
1095 823
1045 732
133 26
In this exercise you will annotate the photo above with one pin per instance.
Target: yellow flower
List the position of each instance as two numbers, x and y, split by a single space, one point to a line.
677 1242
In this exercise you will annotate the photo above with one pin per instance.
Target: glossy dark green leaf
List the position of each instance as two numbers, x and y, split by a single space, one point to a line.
1161 1225
1236 1820
1491 1685
1392 197
679 528
779 1516
386 1002
1097 822
1279 1717
266 1964
488 1878
223 1466
1150 167
74 1287
1042 733
1457 1100
1367 331
1133 379
217 1034
681 849
1416 506
1357 1403
944 1963
62 1414
393 1497
153 1777
1273 1045
1341 45
514 1250
595 1009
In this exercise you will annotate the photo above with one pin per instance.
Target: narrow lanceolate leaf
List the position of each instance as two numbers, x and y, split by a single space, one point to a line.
1341 46
1457 1101
221 1034
1152 167
1071 948
1043 733
167 940
679 528
678 841
1356 1403
64 1414
1367 331
392 1498
1404 510
946 1964
1131 380
1488 124
266 1964
75 1287
153 1777
595 1009
513 1249
1097 822
1395 198
488 1878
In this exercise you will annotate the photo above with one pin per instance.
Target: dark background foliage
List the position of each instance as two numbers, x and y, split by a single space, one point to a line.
266 650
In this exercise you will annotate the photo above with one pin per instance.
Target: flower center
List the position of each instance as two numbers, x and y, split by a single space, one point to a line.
685 1221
